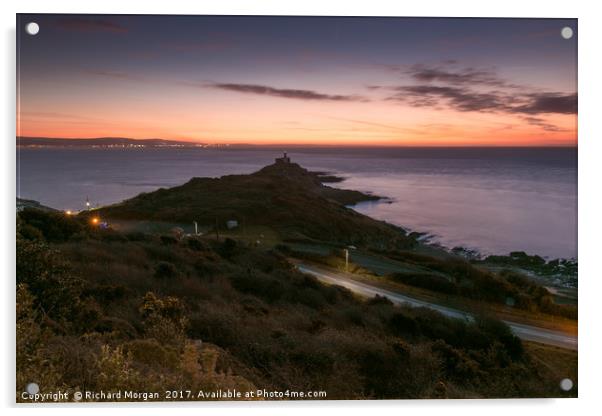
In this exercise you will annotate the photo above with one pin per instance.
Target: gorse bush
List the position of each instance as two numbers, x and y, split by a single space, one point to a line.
137 314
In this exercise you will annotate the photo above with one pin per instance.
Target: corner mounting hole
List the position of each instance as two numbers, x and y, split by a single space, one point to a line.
566 32
32 388
566 384
32 28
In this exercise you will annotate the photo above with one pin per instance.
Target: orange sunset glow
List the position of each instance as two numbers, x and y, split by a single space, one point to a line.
349 82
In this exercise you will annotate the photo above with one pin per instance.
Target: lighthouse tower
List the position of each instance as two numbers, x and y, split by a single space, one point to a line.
283 159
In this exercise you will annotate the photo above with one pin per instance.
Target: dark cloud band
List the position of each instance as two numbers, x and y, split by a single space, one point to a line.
465 99
284 92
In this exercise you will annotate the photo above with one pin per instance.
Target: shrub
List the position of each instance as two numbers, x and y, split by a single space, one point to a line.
165 270
258 284
151 353
115 371
55 226
228 248
30 232
138 236
272 325
32 360
106 294
48 278
164 319
196 244
502 332
168 240
427 281
403 324
402 349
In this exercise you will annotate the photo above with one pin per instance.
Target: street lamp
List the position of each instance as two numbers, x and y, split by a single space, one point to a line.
347 257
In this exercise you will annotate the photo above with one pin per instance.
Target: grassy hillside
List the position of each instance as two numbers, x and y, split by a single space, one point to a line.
98 309
284 197
444 278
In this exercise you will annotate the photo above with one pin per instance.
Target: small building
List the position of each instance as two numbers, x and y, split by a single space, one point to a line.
230 224
283 159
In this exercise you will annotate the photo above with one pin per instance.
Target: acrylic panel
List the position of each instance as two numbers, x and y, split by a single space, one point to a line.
295 208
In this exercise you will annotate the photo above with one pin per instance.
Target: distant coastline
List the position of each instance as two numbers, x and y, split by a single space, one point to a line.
126 142
104 142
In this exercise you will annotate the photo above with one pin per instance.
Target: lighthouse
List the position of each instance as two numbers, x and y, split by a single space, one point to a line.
283 159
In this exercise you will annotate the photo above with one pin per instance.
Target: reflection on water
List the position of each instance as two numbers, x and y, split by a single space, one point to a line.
493 200
475 213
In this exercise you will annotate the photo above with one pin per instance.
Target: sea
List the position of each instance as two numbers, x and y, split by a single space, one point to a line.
491 200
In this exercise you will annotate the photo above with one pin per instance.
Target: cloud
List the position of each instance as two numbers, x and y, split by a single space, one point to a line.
549 102
466 99
536 121
90 25
469 89
283 92
456 76
461 99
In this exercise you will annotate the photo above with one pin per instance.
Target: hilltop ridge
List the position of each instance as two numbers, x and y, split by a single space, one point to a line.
283 196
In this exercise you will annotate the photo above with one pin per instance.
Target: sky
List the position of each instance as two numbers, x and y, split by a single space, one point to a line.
299 80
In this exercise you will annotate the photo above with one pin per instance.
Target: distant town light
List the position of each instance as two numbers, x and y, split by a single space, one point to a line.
95 220
68 212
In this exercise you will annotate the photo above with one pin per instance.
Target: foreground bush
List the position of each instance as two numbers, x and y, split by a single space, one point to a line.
238 317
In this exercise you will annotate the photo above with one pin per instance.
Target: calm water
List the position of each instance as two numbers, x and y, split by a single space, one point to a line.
492 200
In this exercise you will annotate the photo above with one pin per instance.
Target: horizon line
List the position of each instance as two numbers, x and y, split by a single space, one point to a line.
198 142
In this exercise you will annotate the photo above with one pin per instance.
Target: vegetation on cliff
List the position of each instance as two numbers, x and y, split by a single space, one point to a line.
103 310
284 197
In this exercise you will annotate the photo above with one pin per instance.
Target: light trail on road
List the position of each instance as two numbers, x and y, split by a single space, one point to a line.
526 332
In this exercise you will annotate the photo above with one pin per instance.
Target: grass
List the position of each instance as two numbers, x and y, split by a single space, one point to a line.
285 198
453 281
558 363
99 309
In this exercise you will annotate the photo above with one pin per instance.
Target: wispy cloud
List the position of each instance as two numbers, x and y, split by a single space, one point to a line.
296 94
549 102
90 25
459 98
469 89
539 122
466 99
449 74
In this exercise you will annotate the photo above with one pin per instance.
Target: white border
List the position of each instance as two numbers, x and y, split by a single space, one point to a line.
590 155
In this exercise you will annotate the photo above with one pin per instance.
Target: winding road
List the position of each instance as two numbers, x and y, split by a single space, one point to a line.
526 332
